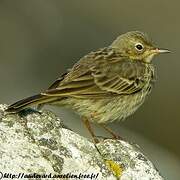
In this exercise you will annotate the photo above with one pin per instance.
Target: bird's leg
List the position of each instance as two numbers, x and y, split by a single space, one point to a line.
113 134
88 126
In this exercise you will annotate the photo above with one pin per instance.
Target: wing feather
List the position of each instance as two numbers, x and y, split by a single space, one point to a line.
102 78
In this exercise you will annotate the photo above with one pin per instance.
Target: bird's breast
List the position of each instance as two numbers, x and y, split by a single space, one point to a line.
106 110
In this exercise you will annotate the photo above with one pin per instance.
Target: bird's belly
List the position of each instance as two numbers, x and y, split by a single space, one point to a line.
107 109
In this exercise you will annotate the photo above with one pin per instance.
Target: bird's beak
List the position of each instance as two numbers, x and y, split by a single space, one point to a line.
163 51
158 51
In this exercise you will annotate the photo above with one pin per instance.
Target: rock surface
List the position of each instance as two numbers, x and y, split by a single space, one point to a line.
38 145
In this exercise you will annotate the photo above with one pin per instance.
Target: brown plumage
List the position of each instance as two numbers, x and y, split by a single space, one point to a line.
105 85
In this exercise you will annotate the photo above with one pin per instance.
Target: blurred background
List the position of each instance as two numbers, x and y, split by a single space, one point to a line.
40 39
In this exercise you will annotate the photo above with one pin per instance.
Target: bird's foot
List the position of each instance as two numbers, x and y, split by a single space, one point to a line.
112 133
105 138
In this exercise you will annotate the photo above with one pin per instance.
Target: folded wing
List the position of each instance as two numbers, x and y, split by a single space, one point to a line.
103 78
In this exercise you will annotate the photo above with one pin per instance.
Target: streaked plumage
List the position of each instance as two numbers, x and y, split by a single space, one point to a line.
105 85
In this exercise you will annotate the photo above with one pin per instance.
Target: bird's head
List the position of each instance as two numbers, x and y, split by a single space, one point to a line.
137 46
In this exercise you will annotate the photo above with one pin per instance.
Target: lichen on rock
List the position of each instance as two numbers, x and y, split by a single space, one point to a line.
39 143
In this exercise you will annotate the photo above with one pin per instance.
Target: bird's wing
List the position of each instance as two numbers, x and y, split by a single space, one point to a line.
123 77
56 83
105 76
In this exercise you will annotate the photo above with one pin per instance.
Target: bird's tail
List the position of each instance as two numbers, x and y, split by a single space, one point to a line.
33 100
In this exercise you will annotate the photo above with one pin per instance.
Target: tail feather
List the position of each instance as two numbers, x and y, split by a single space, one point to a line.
33 100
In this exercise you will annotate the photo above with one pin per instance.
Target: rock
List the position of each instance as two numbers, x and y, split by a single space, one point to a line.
38 145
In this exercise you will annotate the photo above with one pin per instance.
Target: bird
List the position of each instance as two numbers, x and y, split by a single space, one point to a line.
105 85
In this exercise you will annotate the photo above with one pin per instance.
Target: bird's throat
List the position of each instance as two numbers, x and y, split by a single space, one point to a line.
149 58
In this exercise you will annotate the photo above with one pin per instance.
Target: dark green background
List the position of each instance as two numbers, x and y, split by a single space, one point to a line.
40 39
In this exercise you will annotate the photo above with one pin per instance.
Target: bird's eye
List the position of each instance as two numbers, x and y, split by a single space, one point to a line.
139 46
